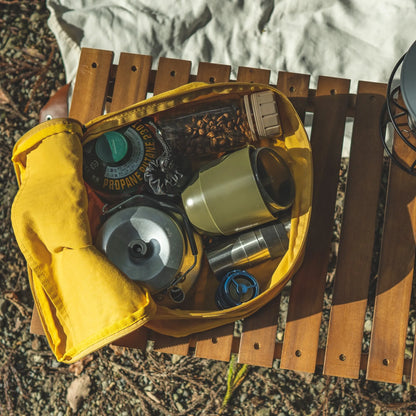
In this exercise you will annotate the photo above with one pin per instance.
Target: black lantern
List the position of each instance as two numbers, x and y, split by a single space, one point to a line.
394 112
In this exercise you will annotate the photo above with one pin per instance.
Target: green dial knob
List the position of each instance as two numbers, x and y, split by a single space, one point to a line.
111 147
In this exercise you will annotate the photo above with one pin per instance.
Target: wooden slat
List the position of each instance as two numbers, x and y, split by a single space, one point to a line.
258 339
215 344
300 344
130 86
208 72
204 344
171 73
258 351
394 285
253 75
91 84
36 327
131 81
136 339
170 345
259 330
247 74
296 88
349 299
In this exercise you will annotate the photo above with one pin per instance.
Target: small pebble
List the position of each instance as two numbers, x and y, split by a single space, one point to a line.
175 358
367 325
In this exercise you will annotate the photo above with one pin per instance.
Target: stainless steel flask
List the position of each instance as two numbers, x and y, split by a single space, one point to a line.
249 248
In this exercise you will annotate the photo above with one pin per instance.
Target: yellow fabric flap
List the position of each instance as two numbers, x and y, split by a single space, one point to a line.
84 301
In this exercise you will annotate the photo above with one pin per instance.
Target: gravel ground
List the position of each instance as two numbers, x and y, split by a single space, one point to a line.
117 381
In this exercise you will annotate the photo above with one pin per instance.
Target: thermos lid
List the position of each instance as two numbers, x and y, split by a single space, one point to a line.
262 114
236 287
145 243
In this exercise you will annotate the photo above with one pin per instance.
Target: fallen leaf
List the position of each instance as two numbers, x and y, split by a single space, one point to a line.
36 344
78 391
34 53
4 97
78 367
116 349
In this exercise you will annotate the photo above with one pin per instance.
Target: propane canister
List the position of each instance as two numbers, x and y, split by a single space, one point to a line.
115 162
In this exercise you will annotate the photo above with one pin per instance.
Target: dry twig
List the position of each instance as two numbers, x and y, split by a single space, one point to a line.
8 105
23 309
143 396
7 372
9 403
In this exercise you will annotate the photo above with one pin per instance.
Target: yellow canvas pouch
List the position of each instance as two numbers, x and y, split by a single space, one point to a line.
84 301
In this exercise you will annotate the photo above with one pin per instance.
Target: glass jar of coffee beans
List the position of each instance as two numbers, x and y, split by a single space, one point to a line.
218 124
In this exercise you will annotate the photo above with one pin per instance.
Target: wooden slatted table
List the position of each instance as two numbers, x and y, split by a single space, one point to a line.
311 338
